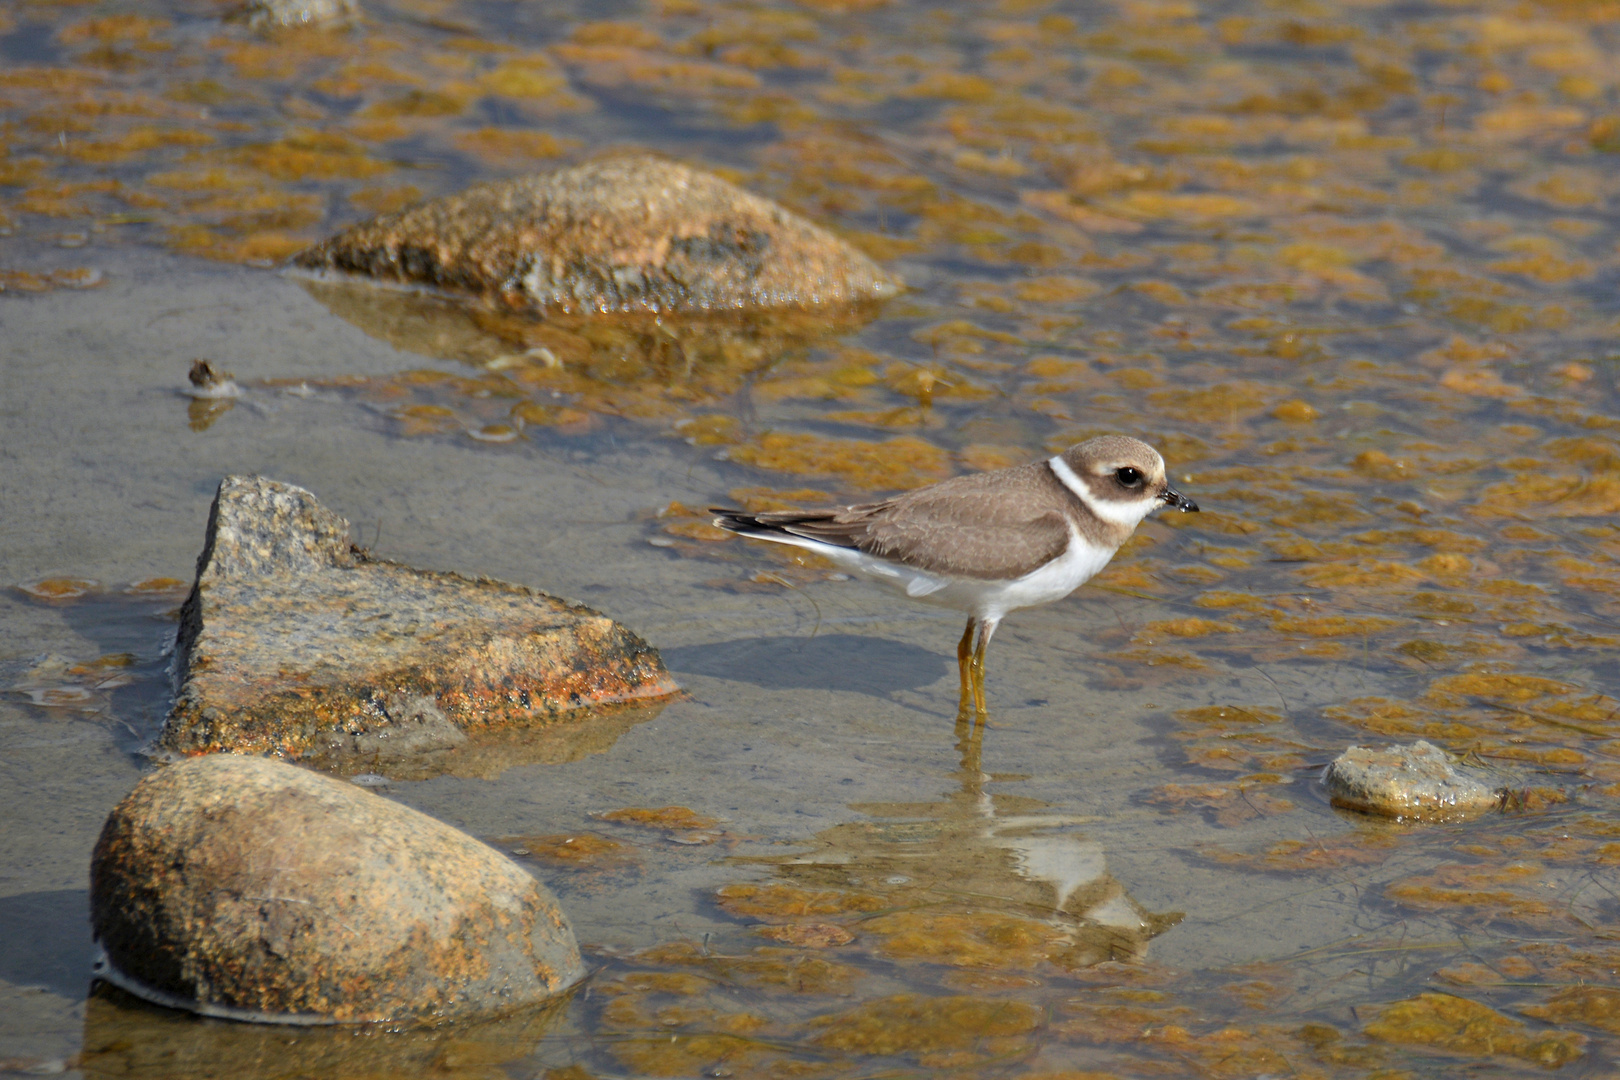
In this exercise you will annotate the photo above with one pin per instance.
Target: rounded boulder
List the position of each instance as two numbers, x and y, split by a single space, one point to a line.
627 233
252 889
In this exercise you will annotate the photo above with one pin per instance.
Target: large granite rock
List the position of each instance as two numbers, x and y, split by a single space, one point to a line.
620 234
1416 782
253 889
295 642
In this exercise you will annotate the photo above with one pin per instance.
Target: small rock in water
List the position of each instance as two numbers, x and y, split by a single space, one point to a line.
273 14
621 234
209 383
252 889
295 642
1418 782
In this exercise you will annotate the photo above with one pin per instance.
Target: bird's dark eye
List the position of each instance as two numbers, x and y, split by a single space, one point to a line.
1128 476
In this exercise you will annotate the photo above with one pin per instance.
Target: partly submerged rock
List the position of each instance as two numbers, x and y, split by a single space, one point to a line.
249 888
619 234
295 642
1412 782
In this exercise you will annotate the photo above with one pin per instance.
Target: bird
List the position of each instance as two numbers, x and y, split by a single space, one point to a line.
987 543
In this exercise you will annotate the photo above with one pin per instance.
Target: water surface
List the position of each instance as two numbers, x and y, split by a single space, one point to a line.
1352 266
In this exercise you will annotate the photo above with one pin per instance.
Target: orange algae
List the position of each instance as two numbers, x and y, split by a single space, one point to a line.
982 939
809 935
666 817
1296 411
779 901
1513 890
1467 1027
1593 1006
908 1024
1226 716
686 1055
502 144
57 589
902 462
1330 625
311 155
569 849
1228 805
157 585
1504 687
787 969
1182 628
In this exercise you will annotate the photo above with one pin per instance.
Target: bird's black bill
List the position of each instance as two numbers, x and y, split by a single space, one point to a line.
1172 497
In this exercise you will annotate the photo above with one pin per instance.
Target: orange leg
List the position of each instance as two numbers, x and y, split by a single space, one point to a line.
986 627
964 667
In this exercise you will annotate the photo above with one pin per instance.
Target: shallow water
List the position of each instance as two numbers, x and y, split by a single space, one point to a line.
1351 266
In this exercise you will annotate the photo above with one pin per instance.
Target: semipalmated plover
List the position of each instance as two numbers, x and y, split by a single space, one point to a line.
989 542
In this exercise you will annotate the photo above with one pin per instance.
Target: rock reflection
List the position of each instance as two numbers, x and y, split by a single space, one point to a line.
717 351
201 414
127 1038
980 879
485 755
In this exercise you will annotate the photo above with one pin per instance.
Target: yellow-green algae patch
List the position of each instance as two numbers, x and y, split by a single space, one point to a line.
938 1031
1462 1026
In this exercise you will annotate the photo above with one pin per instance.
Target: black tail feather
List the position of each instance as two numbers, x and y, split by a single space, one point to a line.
822 525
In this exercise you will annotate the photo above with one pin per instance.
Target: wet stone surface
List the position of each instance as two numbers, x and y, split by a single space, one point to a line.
633 233
253 889
1417 781
295 642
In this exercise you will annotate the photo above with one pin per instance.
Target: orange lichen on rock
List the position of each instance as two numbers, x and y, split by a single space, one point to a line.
371 663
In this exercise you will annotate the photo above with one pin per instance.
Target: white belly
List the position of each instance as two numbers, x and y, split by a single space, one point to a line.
982 599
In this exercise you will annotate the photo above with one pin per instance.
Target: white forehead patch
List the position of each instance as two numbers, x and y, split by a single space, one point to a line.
1128 514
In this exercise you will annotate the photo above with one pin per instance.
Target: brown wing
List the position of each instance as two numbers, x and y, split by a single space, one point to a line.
1000 524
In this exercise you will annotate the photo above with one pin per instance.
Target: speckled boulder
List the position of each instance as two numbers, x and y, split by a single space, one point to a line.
295 642
1416 782
620 234
250 888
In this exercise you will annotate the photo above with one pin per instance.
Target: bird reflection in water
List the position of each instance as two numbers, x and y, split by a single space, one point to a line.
979 879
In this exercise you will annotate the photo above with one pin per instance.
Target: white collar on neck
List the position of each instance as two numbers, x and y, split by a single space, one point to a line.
1129 515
